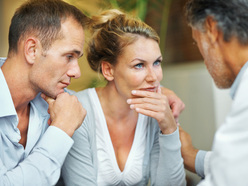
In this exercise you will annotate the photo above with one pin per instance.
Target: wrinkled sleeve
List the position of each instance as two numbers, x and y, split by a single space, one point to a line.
78 168
43 165
166 161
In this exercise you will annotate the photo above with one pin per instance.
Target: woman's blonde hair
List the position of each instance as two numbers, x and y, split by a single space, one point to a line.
112 30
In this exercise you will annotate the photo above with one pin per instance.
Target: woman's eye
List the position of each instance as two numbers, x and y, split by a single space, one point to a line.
157 63
138 66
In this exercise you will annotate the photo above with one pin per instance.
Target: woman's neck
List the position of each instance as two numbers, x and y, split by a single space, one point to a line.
114 105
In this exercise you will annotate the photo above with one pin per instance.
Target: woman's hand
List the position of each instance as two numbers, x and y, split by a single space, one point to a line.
155 105
176 104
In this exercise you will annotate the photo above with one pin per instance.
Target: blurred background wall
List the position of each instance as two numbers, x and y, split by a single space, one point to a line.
184 70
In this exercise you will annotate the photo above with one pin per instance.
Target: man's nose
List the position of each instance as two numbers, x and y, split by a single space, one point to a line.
74 70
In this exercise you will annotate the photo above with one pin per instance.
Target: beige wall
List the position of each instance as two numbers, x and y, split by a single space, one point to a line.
7 10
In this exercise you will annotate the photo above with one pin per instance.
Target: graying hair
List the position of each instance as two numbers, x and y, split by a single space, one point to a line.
231 17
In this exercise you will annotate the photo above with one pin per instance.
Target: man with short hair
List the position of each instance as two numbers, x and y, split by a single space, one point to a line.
220 28
46 38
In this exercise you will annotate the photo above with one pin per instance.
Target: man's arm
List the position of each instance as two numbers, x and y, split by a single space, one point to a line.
188 151
176 104
42 166
195 160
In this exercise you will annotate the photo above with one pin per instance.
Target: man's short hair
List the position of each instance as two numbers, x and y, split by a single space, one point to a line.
43 19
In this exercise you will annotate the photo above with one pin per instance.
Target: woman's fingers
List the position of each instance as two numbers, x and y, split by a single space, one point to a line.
144 93
155 105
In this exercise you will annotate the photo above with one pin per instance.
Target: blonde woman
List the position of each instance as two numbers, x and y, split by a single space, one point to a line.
129 134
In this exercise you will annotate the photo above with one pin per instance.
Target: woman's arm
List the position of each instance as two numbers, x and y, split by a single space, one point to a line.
170 169
78 168
166 160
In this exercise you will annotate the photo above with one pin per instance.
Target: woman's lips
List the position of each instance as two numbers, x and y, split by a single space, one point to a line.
150 89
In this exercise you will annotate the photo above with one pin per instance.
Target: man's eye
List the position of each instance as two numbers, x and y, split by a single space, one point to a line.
69 57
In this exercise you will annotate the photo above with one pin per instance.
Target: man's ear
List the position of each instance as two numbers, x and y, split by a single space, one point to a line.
107 70
212 30
30 49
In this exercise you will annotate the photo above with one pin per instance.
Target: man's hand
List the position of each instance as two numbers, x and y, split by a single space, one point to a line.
66 112
188 151
176 104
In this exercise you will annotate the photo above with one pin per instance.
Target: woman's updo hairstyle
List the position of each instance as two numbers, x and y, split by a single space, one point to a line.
112 30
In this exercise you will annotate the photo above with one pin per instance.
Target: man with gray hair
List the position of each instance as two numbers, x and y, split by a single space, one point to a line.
220 29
